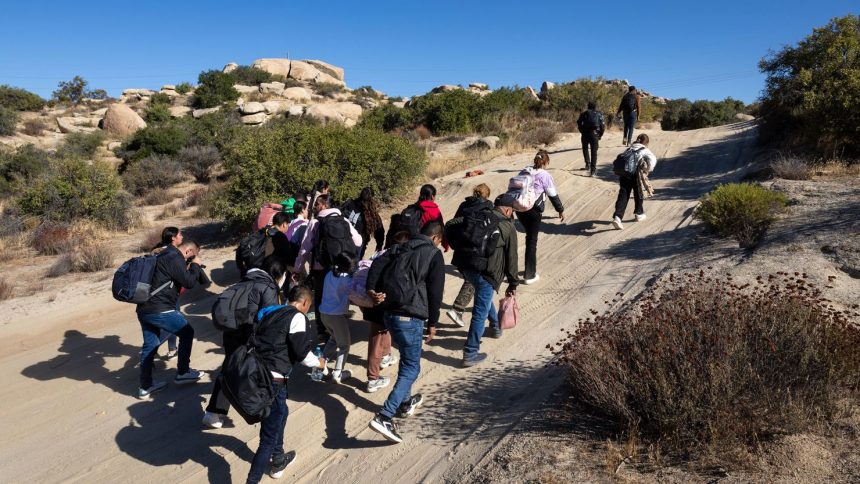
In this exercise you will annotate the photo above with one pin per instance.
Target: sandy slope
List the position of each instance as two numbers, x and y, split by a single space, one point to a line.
68 373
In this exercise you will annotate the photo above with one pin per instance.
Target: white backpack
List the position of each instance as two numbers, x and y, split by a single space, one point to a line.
522 188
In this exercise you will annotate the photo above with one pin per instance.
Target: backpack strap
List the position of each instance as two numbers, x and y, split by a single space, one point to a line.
160 288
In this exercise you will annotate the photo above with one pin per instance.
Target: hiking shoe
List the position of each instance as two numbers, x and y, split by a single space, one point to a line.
339 376
387 361
494 333
408 407
318 374
212 420
171 354
386 427
155 387
640 217
616 222
474 359
276 469
189 376
532 280
379 383
456 316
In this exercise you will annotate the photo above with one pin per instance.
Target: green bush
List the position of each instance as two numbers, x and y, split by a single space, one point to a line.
572 98
19 99
680 114
184 87
21 166
264 164
198 161
76 189
740 210
81 145
160 98
8 121
157 113
150 173
328 89
214 88
249 76
75 91
506 99
164 139
217 129
812 91
449 112
386 117
366 92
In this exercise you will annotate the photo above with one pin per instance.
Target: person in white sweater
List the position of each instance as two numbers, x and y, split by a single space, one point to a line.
647 162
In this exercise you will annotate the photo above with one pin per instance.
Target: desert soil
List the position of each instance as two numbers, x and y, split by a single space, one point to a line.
67 362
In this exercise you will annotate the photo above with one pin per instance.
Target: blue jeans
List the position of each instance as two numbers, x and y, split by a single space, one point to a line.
271 435
408 334
481 312
629 124
153 324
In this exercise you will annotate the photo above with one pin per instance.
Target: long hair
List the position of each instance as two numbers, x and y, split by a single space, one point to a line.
370 211
541 159
428 192
167 236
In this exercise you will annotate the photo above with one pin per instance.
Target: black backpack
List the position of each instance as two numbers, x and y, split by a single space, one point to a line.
247 384
252 249
627 163
231 307
590 121
410 219
474 238
628 102
400 276
334 238
132 282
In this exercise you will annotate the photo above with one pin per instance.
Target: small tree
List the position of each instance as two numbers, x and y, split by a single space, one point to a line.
214 88
75 91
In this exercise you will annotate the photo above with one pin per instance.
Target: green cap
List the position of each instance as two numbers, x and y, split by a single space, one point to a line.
288 205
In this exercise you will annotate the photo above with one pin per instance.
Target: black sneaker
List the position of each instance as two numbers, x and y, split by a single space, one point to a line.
408 408
386 427
494 333
276 469
474 359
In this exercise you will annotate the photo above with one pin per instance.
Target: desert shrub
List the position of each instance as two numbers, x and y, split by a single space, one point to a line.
328 89
198 161
157 113
158 196
366 92
19 167
92 256
34 127
740 210
572 98
8 121
150 239
184 87
18 99
680 114
216 129
507 99
7 290
75 189
62 266
457 111
164 139
52 238
194 198
81 145
160 98
386 117
75 91
791 168
539 133
213 89
150 173
704 367
422 132
812 90
249 76
169 210
301 153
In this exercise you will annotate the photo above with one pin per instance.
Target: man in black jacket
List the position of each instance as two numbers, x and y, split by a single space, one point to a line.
477 202
591 126
283 338
406 321
176 268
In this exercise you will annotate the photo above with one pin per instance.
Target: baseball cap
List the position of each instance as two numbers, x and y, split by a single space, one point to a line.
505 200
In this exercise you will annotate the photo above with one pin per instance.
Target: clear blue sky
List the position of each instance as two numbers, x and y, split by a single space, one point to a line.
678 48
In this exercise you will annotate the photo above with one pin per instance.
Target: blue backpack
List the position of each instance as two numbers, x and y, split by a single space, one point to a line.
133 280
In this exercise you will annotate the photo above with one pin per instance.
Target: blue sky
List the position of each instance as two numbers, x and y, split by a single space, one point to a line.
698 50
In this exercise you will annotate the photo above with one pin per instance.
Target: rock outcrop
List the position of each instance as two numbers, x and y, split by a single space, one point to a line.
344 113
311 71
121 121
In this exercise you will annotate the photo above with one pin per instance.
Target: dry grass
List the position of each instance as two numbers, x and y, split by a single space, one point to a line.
60 267
7 290
791 168
158 196
539 135
150 239
170 210
194 197
838 169
422 132
34 127
13 247
92 256
52 239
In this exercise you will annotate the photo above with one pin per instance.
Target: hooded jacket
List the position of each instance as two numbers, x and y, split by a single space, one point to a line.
264 292
431 213
283 337
503 262
473 204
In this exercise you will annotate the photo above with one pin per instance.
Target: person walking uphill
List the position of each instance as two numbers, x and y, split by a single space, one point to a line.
485 263
591 125
543 186
363 214
407 281
414 217
333 312
175 268
638 183
477 202
283 339
631 108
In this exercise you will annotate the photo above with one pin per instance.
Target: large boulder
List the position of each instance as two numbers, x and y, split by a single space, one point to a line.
179 111
257 118
444 88
532 93
325 67
479 86
272 87
277 106
199 113
545 88
69 124
277 67
232 66
344 113
121 121
296 110
308 71
246 89
252 108
303 71
296 94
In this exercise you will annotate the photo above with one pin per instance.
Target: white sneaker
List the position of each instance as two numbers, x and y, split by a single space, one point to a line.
212 420
189 376
339 376
616 221
387 361
143 393
640 217
456 316
532 280
379 383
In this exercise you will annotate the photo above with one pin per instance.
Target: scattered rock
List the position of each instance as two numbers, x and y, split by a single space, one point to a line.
252 108
202 112
296 110
169 92
325 67
444 88
303 71
245 89
545 88
399 104
168 87
344 113
257 118
744 117
113 145
296 94
277 106
230 67
492 142
179 111
67 125
138 92
308 71
99 112
121 121
272 87
479 86
277 67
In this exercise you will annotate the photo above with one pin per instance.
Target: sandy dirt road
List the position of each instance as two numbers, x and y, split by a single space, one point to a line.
68 367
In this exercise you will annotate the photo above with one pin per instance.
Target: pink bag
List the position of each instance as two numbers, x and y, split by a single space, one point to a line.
509 312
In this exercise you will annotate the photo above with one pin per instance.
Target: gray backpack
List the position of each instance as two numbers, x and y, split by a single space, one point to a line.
627 163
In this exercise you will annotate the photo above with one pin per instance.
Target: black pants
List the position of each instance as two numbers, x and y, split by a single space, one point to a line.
317 281
589 150
218 403
627 185
531 222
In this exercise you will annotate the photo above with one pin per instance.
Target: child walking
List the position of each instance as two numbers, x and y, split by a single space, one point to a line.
333 313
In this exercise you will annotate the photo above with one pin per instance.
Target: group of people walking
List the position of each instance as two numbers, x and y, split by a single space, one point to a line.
307 261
